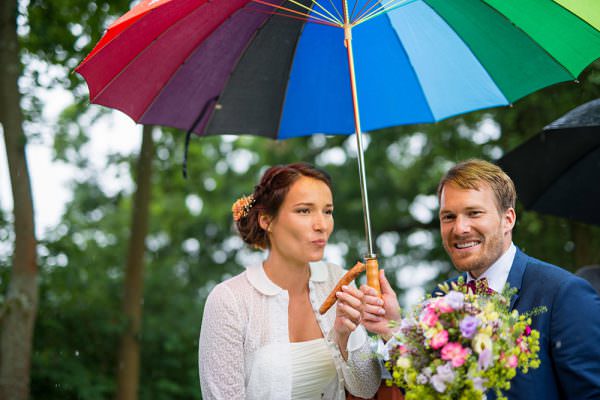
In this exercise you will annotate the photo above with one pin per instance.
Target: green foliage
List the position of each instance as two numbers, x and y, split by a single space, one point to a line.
191 243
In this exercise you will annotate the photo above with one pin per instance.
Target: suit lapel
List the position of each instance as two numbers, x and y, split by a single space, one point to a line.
515 276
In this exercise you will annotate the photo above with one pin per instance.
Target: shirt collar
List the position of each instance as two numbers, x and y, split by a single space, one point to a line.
260 281
497 273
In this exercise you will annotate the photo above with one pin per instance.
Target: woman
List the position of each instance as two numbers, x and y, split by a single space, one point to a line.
262 336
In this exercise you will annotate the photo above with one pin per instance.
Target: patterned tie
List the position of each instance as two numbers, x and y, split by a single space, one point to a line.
480 286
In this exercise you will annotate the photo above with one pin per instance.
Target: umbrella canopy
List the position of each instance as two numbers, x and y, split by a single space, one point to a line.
288 68
254 71
558 171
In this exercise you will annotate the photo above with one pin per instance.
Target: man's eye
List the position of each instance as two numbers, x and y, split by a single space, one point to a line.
475 213
447 218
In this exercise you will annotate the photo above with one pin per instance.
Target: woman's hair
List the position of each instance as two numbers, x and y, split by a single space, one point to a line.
268 196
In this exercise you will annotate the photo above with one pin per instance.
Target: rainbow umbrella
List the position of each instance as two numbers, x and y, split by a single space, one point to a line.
288 68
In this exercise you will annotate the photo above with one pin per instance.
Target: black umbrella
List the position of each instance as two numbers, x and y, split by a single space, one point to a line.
558 171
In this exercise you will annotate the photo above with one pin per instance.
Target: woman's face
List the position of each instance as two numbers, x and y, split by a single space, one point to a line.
304 222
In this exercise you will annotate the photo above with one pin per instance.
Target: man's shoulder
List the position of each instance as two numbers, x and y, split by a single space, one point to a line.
553 279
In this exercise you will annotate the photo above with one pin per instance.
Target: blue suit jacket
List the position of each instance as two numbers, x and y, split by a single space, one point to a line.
569 332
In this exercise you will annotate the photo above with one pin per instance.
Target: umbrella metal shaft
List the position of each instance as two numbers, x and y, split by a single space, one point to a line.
359 142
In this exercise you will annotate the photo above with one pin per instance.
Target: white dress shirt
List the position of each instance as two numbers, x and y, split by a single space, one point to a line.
245 352
497 273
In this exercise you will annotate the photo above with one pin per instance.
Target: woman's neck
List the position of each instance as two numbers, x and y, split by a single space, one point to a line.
288 275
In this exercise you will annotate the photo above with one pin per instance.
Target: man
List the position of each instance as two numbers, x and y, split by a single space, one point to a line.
477 215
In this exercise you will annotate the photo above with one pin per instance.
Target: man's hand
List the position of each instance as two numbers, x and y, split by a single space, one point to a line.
378 312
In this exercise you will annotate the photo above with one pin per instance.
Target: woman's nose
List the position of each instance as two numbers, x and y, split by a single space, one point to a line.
319 222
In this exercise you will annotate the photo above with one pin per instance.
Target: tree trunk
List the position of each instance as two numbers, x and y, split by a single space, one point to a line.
20 307
129 352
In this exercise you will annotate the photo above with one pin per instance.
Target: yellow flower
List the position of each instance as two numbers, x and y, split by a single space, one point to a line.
481 341
403 362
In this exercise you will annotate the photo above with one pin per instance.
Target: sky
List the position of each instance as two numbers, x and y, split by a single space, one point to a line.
115 133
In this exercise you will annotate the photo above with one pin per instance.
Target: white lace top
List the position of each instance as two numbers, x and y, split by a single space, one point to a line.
245 352
312 369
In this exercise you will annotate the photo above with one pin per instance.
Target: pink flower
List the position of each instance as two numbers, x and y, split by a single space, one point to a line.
442 307
522 344
527 330
456 353
439 339
512 361
430 318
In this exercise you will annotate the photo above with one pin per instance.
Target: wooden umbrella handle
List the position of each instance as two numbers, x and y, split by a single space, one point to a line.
373 275
345 280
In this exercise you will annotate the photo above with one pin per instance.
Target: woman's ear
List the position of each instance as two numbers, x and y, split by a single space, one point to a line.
265 221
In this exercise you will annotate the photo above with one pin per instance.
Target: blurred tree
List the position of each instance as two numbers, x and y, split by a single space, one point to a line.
133 290
22 43
18 311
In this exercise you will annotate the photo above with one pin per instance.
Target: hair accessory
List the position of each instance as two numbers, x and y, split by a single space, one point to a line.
241 207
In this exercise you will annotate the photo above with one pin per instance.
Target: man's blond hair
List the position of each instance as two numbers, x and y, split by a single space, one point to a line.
471 174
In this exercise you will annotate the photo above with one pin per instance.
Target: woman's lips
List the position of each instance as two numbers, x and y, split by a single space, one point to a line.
319 242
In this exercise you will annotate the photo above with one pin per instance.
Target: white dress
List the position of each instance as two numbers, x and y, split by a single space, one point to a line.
312 369
244 350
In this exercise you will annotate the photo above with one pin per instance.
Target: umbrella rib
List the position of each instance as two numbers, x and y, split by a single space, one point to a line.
368 10
277 6
383 9
360 12
337 11
327 11
310 18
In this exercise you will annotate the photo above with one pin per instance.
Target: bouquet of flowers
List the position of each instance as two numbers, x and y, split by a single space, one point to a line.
461 344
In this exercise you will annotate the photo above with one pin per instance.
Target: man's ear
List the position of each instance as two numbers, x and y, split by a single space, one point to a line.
264 221
510 218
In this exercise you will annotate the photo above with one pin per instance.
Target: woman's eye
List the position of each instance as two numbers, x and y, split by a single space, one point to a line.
303 210
329 212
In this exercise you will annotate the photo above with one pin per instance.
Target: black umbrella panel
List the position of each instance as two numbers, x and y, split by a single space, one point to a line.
557 171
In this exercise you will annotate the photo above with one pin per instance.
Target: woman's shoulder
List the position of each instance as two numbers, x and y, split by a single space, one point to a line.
229 287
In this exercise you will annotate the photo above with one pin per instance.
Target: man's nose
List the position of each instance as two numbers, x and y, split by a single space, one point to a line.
462 224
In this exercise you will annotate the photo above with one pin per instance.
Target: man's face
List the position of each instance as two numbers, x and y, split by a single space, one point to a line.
474 232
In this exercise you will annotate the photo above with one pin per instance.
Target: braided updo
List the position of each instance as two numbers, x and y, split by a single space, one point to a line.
268 196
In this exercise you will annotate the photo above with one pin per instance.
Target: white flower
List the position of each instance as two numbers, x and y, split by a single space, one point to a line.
478 383
438 383
445 372
455 299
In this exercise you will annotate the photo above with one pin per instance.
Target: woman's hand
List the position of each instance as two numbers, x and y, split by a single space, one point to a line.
378 312
347 315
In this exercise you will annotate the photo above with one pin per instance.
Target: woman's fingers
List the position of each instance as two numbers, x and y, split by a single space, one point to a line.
348 311
350 295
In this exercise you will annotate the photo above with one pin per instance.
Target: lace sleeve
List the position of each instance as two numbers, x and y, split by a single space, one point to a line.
220 353
362 371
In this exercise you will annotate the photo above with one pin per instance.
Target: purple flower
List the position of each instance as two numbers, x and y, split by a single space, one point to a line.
455 299
468 326
485 359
